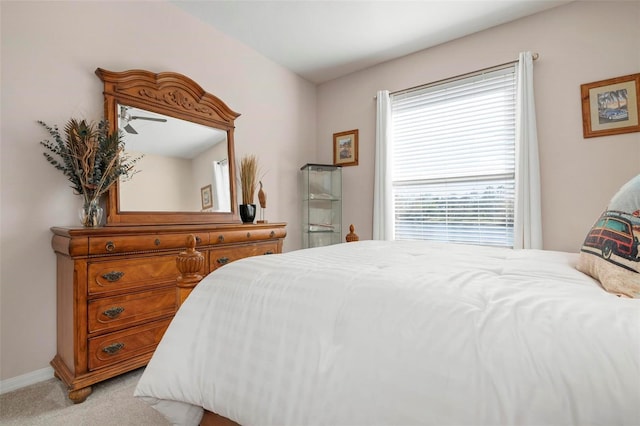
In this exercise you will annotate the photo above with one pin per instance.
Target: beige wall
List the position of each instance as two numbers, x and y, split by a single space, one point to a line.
163 184
50 51
578 43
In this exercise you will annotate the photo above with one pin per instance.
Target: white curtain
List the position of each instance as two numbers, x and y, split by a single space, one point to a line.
383 217
528 217
221 188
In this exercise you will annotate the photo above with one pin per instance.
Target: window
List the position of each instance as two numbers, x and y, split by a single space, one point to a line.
453 167
617 226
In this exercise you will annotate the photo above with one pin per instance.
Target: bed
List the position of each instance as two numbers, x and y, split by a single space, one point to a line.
402 333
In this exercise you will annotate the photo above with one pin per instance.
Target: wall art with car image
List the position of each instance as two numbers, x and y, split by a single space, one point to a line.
610 107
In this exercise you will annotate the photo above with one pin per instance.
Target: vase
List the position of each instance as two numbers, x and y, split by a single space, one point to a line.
247 212
91 214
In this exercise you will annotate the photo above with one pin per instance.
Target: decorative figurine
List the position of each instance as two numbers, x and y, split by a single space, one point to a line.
262 198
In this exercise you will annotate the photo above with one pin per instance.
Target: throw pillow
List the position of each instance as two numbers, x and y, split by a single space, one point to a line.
610 251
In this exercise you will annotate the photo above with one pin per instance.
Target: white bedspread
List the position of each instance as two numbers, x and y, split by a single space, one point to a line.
401 333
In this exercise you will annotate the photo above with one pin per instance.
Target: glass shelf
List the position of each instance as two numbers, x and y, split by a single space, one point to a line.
321 205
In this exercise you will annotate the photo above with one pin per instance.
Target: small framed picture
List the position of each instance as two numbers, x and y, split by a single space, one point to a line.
345 148
207 197
610 107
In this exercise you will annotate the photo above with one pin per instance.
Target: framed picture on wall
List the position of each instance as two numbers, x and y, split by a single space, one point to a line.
345 148
207 197
610 107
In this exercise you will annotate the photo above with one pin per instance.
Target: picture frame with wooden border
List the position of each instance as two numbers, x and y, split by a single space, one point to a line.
345 148
206 195
610 107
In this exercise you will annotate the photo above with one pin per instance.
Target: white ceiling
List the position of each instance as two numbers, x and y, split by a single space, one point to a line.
323 40
160 138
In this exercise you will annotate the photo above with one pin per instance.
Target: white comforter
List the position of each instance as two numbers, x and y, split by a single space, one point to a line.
402 333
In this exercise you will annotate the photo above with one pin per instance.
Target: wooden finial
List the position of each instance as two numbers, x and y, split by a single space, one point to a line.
352 236
189 263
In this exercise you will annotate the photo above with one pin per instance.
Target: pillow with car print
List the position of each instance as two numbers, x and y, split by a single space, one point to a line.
610 250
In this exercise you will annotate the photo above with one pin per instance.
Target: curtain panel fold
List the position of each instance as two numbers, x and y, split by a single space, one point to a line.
528 211
383 212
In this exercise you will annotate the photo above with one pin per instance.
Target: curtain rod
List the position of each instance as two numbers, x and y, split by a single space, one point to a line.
534 55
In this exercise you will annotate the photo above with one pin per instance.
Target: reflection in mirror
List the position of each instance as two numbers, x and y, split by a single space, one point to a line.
172 175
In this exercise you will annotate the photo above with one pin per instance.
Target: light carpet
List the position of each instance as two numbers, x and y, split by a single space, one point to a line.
110 404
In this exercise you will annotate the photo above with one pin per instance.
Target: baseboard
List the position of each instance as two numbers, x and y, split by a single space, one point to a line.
18 382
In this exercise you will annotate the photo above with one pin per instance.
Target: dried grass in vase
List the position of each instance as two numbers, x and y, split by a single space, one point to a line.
248 178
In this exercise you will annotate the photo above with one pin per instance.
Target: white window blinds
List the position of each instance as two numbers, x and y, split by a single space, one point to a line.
454 159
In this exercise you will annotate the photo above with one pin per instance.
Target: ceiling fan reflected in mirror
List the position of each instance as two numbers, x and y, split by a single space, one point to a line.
127 118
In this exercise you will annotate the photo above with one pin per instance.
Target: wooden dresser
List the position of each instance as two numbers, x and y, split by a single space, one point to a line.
116 290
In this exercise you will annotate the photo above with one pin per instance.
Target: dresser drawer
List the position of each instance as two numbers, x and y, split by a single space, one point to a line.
132 273
222 255
124 345
116 312
132 243
246 235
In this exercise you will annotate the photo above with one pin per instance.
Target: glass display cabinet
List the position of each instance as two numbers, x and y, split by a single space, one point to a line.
321 205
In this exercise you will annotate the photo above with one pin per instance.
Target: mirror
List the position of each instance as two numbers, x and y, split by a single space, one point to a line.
189 176
186 138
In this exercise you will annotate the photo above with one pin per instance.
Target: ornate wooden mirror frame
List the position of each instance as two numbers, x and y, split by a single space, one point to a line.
174 95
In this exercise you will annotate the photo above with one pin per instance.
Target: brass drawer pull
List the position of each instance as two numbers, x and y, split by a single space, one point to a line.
248 234
113 276
157 241
113 312
221 238
272 234
268 252
223 260
113 348
110 246
198 239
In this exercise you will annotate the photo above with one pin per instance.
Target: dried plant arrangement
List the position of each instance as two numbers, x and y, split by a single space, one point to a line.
248 177
90 157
